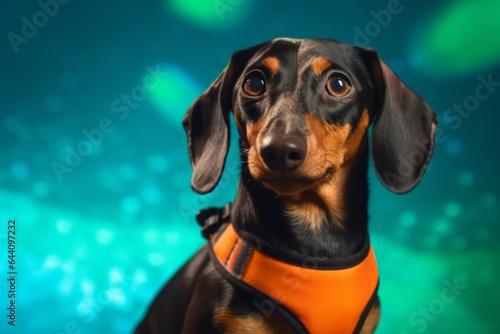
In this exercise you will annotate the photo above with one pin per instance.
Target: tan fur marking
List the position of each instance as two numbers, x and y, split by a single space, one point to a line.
331 147
357 137
255 163
372 319
253 131
272 64
332 194
324 199
232 323
325 145
239 124
308 208
319 65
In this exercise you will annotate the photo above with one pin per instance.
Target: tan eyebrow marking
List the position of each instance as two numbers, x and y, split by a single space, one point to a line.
320 64
272 64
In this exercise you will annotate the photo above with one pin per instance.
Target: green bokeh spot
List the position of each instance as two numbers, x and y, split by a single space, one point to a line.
174 94
452 210
211 13
407 219
462 38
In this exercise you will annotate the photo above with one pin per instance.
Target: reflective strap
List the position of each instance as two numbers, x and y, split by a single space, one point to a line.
233 252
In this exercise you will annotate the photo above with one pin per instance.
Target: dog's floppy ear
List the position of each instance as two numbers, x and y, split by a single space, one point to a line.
402 139
207 125
207 128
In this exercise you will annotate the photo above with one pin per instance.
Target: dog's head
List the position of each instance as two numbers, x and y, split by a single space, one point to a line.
302 109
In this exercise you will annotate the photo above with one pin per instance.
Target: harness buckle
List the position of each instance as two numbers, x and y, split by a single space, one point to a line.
210 219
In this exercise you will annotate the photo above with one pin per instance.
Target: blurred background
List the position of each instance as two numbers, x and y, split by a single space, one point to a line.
95 172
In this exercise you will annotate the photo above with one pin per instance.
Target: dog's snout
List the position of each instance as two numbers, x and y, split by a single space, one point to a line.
283 153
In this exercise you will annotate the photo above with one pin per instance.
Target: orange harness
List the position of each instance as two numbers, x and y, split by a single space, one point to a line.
312 296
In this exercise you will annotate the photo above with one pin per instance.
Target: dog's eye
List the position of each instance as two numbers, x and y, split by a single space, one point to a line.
337 86
254 84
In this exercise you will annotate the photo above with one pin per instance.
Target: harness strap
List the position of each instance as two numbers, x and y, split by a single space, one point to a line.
211 219
312 298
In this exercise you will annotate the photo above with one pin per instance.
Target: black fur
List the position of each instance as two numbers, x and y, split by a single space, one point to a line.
402 132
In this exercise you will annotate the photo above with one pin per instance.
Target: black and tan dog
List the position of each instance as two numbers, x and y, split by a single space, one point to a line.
292 254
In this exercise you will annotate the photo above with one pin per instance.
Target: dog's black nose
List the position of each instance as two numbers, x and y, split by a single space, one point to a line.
283 153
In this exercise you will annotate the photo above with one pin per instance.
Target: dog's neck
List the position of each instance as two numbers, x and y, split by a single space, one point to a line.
261 213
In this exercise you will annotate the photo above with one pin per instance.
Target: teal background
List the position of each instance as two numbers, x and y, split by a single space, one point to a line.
94 244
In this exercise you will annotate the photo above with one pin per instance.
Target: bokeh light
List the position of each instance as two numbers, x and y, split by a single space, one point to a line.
174 94
212 14
97 245
455 39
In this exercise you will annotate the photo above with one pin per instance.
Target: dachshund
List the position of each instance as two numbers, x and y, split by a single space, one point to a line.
292 253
